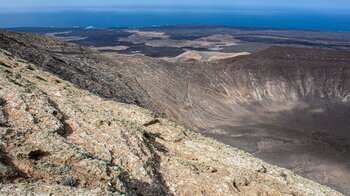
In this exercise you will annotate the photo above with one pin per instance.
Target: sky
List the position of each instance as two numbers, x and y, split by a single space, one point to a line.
37 4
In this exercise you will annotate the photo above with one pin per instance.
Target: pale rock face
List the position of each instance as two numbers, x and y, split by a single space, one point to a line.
58 139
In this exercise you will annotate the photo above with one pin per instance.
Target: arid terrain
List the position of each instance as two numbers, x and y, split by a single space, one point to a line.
58 139
286 105
172 41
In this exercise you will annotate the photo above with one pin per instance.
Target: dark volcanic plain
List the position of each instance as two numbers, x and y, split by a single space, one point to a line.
164 41
287 105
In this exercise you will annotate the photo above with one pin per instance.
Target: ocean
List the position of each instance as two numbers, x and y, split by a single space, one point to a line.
142 17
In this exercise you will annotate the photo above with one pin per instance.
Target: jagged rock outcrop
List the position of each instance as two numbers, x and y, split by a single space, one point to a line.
58 139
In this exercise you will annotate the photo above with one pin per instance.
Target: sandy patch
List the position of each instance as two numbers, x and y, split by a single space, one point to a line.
203 56
66 38
116 48
160 39
147 34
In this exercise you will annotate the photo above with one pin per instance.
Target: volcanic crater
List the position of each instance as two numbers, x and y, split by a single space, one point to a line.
288 106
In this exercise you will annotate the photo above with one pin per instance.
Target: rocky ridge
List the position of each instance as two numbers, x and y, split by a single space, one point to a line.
80 65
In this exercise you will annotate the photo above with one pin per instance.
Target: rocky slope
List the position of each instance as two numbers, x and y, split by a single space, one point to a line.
288 106
58 139
80 65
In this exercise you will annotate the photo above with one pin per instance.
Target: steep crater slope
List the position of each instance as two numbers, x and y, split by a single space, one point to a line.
288 106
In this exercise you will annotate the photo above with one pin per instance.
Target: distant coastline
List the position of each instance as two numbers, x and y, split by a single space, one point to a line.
283 19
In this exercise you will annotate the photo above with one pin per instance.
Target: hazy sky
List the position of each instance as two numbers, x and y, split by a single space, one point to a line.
28 4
